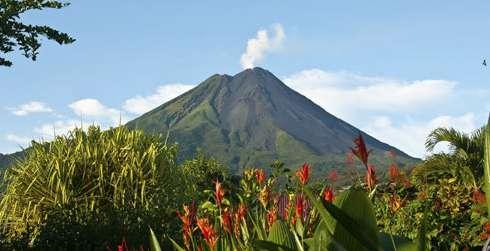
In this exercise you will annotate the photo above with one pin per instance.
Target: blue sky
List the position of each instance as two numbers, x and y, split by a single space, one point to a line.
393 69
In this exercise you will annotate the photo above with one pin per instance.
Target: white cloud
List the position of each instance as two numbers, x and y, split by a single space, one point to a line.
61 127
344 93
410 136
20 140
258 46
139 104
92 108
31 107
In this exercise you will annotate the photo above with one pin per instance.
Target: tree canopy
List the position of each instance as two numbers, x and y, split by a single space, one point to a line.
16 35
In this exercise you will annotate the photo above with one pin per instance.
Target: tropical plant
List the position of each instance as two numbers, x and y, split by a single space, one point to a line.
15 34
106 183
466 149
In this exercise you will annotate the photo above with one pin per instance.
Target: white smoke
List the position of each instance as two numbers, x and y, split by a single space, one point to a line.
258 46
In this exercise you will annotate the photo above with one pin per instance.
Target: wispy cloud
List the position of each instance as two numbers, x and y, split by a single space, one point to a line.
20 140
47 131
344 93
260 45
93 109
377 100
31 107
410 136
141 104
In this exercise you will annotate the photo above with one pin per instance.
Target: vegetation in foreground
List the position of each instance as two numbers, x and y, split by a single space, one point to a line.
104 190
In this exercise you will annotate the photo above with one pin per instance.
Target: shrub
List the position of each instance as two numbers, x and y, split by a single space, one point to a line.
117 182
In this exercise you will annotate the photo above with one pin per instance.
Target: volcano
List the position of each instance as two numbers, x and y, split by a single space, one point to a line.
253 118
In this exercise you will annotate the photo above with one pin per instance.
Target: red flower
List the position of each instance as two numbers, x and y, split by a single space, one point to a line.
260 176
479 197
240 214
370 177
188 220
303 173
226 220
394 172
208 232
219 193
360 150
271 216
332 175
328 194
302 207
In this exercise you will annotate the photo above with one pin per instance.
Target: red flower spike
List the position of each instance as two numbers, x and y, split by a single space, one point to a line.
360 150
271 216
219 193
260 176
303 173
226 221
370 177
328 194
188 220
302 207
394 173
208 232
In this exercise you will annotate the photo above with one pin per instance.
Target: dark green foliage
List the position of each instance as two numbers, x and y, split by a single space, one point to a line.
198 172
16 35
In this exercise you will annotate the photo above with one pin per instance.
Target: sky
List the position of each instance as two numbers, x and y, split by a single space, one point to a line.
395 69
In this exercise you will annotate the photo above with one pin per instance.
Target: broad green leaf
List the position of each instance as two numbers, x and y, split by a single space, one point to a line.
358 233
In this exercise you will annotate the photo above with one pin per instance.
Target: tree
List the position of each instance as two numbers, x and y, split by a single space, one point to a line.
16 35
467 149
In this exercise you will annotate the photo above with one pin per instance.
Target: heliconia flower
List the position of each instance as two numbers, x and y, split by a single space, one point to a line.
264 196
188 220
208 232
394 172
242 211
219 193
303 173
360 150
370 177
271 216
478 196
332 175
328 194
260 176
240 214
226 220
299 206
302 207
